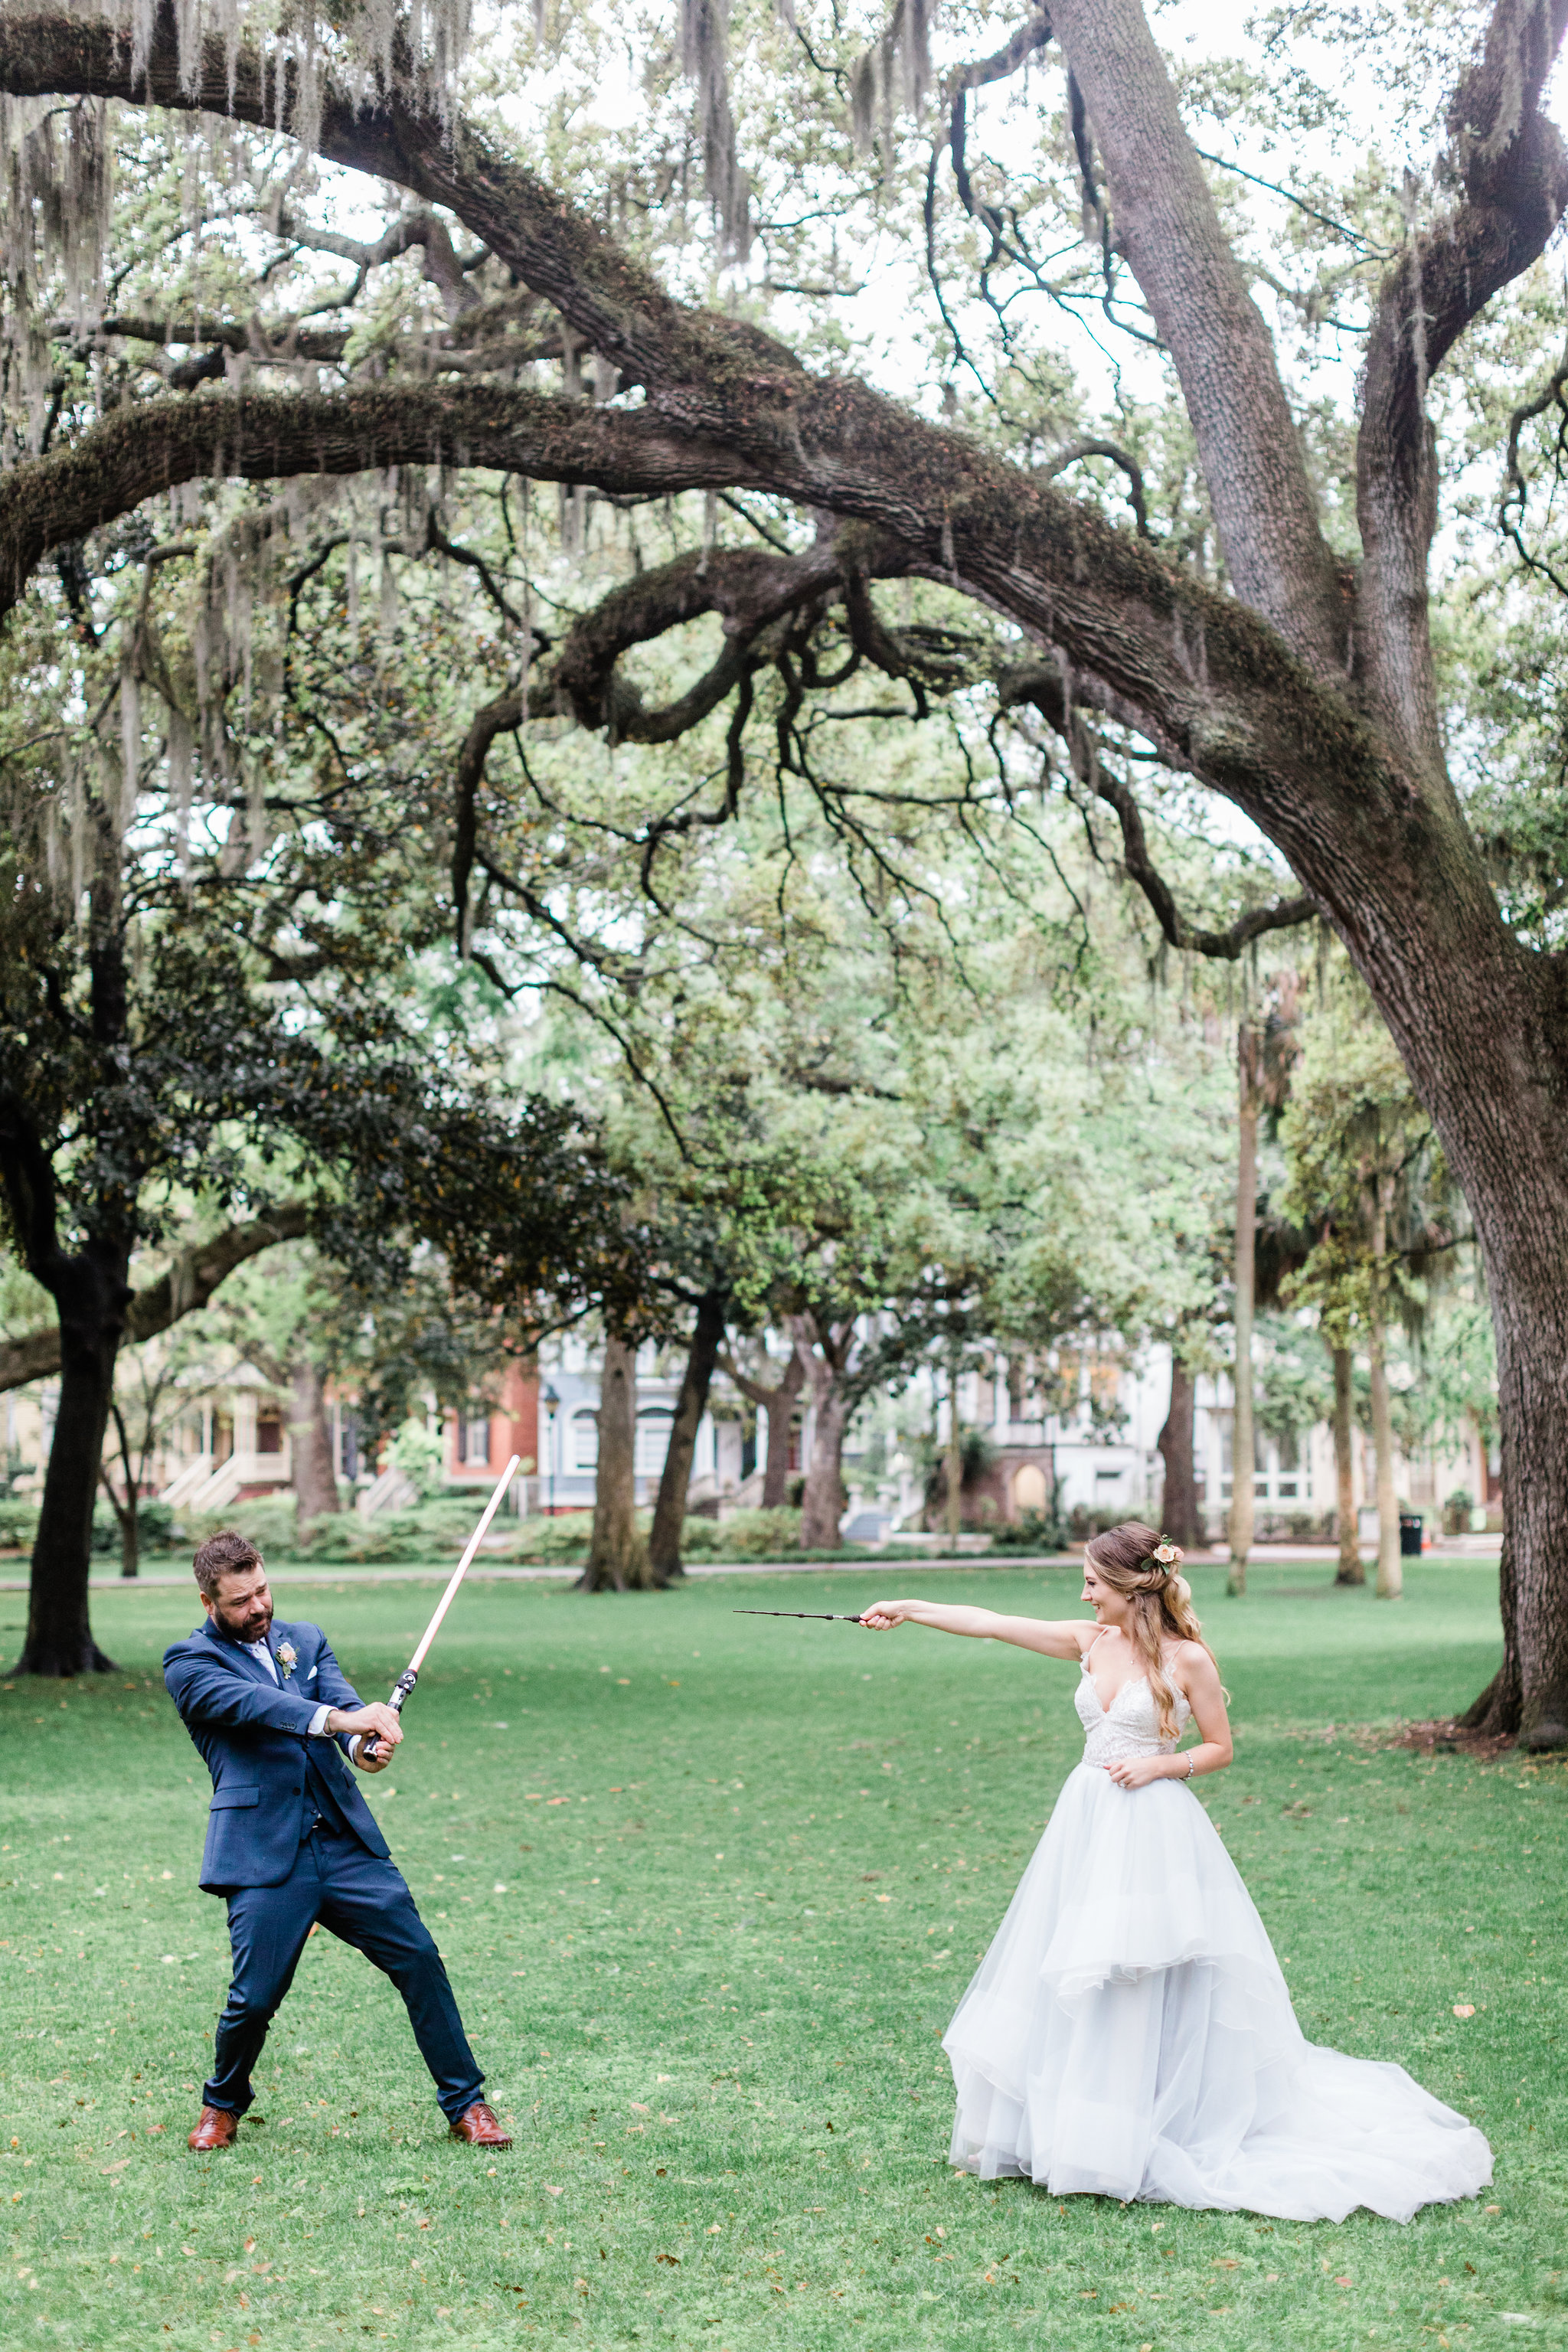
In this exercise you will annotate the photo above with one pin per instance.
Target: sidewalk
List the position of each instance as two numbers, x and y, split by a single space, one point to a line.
492 1572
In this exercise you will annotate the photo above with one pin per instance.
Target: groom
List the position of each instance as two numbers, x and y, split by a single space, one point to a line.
290 1840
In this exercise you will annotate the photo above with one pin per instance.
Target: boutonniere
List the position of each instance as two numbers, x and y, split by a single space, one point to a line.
288 1658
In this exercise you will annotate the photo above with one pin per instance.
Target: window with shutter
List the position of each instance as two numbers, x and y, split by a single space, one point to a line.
653 1443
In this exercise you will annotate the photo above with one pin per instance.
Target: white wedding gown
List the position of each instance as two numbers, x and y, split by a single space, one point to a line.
1129 2034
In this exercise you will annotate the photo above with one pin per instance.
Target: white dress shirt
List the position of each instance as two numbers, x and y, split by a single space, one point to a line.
317 1727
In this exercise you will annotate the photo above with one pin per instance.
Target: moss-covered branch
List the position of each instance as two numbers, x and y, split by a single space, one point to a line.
262 437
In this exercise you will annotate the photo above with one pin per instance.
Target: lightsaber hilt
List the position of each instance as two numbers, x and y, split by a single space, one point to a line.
370 1746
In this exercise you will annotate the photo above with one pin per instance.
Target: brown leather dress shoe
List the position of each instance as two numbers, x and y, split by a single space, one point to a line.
478 2125
216 2128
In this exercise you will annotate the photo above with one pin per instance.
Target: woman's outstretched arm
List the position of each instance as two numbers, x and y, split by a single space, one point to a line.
1063 1638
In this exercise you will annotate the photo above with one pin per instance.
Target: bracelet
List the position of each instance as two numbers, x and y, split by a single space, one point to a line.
1192 1762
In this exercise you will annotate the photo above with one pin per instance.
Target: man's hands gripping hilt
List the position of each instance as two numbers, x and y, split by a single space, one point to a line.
375 1753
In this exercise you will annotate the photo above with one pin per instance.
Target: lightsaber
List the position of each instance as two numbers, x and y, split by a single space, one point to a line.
370 1746
822 1616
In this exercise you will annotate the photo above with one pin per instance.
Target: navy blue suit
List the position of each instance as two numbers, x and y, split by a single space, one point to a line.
290 1840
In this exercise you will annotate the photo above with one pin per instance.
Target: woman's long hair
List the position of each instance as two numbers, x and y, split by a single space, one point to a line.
1161 1602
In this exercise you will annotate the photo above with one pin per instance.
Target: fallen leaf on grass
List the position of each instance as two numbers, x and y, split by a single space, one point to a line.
673 2260
1464 2009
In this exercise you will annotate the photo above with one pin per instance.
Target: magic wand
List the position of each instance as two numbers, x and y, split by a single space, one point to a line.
824 1616
410 1675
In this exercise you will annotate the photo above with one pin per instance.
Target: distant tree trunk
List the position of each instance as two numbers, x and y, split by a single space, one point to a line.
669 1510
618 1557
778 1403
1390 1573
1350 1570
954 1475
780 1409
825 1500
129 1525
310 1446
1241 1444
827 1348
126 1513
90 1290
1179 1511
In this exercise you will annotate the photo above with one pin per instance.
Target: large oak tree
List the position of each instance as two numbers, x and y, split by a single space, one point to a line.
1301 685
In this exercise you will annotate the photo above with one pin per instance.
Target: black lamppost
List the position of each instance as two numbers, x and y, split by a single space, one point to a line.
548 1398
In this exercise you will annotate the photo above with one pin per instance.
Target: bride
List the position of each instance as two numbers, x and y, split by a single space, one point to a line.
1129 2033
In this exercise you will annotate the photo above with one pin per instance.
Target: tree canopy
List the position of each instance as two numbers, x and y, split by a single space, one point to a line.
1095 269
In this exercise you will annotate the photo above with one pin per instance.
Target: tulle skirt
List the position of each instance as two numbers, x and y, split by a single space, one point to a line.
1129 2034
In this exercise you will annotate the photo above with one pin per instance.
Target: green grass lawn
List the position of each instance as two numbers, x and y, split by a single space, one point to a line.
710 1887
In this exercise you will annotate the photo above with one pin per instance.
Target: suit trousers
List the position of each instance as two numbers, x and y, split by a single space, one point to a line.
367 1904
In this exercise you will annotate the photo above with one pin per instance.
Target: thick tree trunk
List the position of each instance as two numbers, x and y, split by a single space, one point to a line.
669 1510
618 1557
1520 1212
1480 1020
1179 1509
311 1445
1350 1570
1241 1444
90 1293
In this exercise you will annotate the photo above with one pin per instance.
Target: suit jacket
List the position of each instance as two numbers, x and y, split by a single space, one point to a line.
252 1734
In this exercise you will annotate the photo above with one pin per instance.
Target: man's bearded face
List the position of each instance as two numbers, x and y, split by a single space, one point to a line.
242 1607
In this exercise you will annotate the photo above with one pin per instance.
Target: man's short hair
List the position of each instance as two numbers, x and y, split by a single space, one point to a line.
224 1554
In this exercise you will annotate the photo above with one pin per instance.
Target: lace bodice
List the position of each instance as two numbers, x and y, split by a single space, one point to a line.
1129 1726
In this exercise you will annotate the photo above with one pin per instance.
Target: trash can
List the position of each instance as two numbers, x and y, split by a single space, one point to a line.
1409 1535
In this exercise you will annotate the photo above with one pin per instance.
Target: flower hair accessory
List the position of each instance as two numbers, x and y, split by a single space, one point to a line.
1166 1555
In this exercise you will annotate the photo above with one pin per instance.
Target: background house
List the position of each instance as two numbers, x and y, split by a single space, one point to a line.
1097 1450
